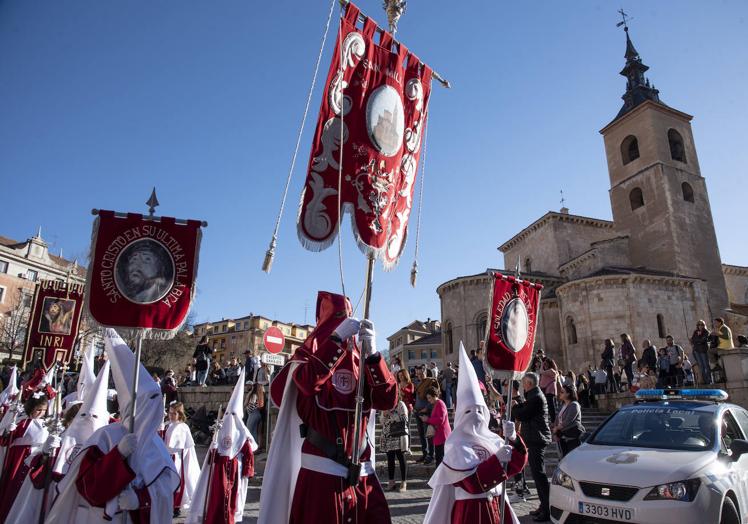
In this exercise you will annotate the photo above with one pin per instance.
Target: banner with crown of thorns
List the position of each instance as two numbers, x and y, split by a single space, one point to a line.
374 108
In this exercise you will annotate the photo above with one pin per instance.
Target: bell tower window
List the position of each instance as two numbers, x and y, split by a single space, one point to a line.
571 331
629 149
677 150
687 192
636 197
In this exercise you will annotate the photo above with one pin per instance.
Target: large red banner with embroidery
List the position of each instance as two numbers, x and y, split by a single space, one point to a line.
143 271
53 323
514 308
374 108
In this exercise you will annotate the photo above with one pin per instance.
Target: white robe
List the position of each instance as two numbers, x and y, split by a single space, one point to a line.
155 470
180 444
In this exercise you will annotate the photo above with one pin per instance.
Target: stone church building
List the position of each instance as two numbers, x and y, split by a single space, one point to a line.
655 269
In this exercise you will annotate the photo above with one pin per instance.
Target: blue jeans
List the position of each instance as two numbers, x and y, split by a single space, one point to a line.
202 375
702 359
448 395
253 420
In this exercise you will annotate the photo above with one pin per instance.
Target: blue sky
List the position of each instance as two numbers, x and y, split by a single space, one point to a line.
99 101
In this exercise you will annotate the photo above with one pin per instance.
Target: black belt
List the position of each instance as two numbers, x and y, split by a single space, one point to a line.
334 451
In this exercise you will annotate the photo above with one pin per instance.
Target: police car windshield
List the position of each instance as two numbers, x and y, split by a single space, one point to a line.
658 426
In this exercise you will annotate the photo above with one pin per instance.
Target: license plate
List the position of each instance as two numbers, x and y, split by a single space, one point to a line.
606 512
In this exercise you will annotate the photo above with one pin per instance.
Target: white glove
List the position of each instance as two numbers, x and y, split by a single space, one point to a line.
347 328
127 445
52 442
504 454
13 426
128 499
367 337
510 433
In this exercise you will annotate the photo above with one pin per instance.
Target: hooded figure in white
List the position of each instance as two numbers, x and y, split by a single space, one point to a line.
180 444
467 484
91 416
11 391
118 471
86 378
222 487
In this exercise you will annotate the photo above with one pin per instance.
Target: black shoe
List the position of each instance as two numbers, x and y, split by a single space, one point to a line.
536 512
542 517
428 460
177 513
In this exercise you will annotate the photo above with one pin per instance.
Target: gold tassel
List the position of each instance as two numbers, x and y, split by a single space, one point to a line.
267 264
414 274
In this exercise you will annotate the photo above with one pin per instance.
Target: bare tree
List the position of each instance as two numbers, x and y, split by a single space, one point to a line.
14 323
172 353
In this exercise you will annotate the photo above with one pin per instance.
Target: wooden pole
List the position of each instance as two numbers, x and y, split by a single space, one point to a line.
356 458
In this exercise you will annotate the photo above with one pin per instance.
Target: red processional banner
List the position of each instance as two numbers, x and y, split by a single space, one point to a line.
53 323
513 320
143 271
374 108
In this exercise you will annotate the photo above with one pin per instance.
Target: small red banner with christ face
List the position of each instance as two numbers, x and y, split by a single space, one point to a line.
53 323
143 271
374 108
513 317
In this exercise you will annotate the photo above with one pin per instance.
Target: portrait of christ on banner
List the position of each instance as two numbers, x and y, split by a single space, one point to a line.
144 271
57 316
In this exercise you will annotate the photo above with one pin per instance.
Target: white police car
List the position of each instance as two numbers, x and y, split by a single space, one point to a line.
674 456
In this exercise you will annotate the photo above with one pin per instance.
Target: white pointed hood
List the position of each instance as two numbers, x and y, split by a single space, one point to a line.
92 415
11 391
233 432
49 377
86 377
471 441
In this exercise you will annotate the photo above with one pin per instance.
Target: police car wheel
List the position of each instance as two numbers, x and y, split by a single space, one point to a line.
729 513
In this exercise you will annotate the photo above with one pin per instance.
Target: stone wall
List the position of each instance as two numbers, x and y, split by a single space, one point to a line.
736 279
604 307
613 252
211 397
463 302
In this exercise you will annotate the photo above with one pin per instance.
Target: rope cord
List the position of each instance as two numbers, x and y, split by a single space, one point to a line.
303 122
420 192
340 158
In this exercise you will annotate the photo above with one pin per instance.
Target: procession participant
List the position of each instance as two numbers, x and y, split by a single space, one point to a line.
86 378
312 478
10 393
120 471
221 490
39 488
467 484
182 448
21 440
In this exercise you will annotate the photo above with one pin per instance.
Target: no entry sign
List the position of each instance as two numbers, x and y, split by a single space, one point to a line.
274 340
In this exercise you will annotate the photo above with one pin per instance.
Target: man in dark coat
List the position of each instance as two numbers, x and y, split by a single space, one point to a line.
535 431
649 354
201 359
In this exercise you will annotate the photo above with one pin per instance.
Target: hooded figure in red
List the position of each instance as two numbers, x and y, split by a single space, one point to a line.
309 463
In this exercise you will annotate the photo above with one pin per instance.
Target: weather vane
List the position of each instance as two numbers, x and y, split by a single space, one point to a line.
563 200
394 10
624 20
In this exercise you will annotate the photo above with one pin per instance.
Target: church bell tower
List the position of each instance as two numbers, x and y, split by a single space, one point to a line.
657 193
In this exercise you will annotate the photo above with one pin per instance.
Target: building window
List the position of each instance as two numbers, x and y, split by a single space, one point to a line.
3 266
32 275
411 354
661 331
434 353
2 294
677 150
528 265
26 300
687 192
636 197
629 149
571 331
246 325
424 354
448 348
480 324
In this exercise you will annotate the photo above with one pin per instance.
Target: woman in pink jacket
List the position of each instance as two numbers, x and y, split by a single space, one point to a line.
440 421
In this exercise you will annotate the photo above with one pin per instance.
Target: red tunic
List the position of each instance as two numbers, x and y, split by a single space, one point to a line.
487 476
225 484
102 477
14 470
326 380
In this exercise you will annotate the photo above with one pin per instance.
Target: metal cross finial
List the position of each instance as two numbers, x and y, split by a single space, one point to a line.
624 20
563 200
152 202
394 10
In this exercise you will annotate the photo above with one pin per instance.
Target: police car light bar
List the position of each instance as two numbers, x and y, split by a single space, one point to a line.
716 395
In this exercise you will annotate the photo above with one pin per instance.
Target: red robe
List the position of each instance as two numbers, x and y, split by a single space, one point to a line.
487 476
326 381
102 477
225 483
14 469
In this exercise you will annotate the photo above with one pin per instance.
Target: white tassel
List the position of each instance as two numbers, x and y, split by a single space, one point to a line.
414 274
